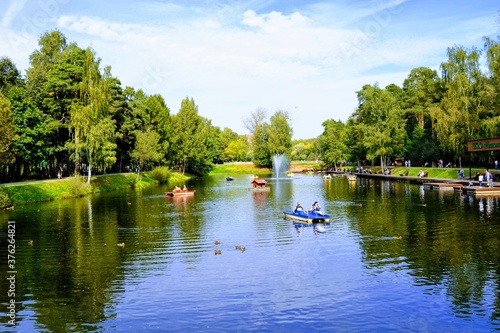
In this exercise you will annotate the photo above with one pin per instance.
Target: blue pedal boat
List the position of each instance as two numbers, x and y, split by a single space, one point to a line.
306 217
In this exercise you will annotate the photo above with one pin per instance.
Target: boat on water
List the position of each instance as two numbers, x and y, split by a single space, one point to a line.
306 217
179 192
229 178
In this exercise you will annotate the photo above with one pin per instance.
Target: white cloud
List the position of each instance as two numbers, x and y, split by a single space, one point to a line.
14 8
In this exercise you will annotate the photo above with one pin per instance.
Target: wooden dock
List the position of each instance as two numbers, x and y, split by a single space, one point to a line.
443 186
481 191
440 184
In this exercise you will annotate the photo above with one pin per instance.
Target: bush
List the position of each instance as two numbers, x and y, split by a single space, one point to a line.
77 187
160 174
4 200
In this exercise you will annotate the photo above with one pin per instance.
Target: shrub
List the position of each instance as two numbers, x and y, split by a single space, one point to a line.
160 174
4 200
77 187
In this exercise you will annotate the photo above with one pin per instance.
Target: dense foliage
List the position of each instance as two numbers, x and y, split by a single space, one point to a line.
69 115
430 117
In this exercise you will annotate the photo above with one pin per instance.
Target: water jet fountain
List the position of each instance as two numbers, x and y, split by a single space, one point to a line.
280 165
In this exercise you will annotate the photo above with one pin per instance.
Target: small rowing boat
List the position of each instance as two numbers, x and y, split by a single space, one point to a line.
180 192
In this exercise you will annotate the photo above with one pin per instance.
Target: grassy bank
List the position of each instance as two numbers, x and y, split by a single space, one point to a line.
71 187
446 173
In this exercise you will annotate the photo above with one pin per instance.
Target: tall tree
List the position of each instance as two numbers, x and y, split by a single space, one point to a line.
91 122
32 127
490 110
333 143
280 134
51 46
457 119
261 155
379 120
9 74
7 134
422 94
188 139
147 150
237 150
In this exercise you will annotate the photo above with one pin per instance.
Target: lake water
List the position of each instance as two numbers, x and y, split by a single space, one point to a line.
394 258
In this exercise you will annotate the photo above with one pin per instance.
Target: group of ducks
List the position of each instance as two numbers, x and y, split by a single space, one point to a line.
30 243
237 247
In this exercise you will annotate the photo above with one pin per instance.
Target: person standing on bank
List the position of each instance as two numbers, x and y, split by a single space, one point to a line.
489 179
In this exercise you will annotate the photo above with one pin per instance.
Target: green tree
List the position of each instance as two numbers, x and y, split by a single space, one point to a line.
227 136
333 143
457 118
42 61
147 149
7 134
9 75
237 150
422 94
91 123
280 134
189 139
261 155
490 95
32 127
378 119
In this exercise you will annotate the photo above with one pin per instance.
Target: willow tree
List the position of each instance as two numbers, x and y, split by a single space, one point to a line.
457 118
91 123
380 123
490 114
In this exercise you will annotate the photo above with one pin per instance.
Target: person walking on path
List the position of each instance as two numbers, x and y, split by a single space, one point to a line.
489 179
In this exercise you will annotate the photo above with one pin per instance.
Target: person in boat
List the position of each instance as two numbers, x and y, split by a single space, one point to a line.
177 188
185 188
316 208
298 208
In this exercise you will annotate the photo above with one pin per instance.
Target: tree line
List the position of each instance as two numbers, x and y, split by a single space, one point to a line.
69 114
430 117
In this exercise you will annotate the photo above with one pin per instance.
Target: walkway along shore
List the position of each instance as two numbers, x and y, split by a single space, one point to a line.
457 185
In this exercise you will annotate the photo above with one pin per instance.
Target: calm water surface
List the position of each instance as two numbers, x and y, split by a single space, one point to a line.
394 258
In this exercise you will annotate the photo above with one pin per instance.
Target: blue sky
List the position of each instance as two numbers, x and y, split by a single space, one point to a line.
233 57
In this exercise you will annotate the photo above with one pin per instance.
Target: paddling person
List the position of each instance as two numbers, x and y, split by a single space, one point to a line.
185 188
298 208
316 208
